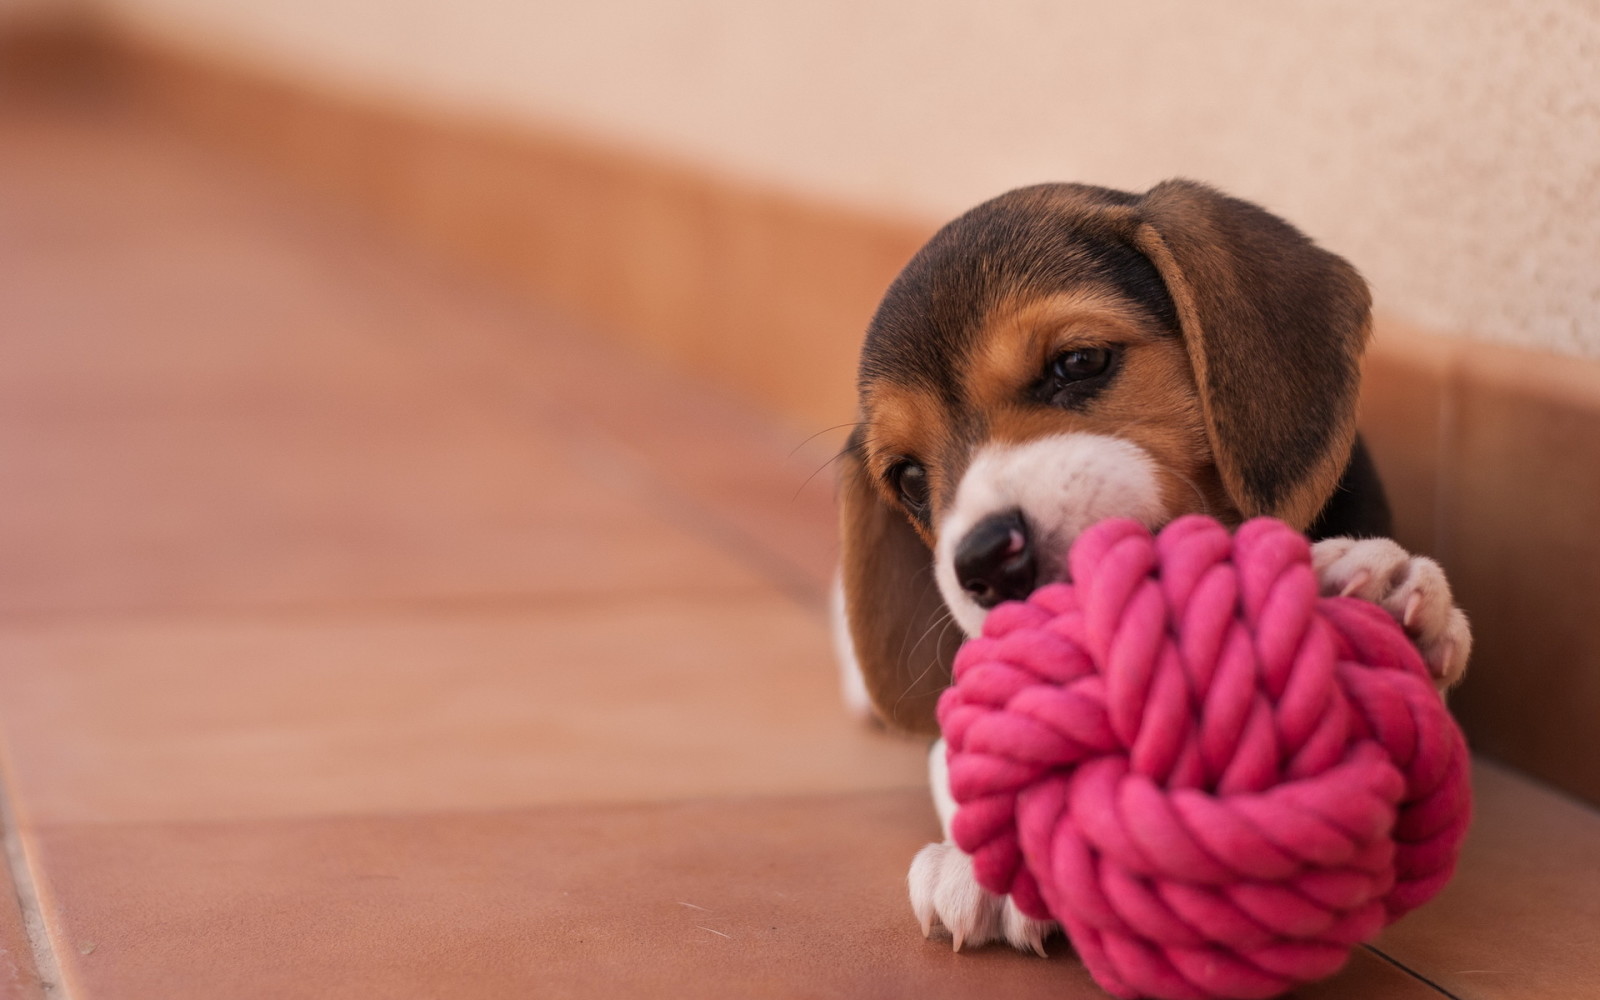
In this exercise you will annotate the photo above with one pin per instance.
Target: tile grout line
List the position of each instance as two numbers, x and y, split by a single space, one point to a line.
46 965
515 403
681 507
1407 970
316 610
584 442
581 441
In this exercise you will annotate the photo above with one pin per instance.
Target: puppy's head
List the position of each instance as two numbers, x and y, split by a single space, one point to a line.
1064 354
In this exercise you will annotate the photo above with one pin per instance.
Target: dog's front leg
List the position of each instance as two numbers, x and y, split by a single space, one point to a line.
944 891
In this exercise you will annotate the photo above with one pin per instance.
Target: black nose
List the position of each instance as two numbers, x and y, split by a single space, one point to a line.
994 562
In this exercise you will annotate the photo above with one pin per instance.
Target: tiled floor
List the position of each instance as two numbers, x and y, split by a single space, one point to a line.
363 634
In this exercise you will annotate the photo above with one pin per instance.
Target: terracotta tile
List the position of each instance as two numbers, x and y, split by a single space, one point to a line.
768 295
296 502
536 210
645 699
767 487
450 186
19 976
334 314
178 273
51 56
1522 917
740 476
164 278
210 399
797 282
658 273
1403 418
173 321
755 898
558 234
766 480
1522 488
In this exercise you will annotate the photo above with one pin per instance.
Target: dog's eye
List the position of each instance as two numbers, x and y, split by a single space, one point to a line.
1074 377
910 481
1080 363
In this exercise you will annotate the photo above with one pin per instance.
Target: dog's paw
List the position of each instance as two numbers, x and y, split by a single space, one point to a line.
945 893
1411 588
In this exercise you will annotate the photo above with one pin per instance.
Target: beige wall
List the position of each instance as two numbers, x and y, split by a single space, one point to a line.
1451 149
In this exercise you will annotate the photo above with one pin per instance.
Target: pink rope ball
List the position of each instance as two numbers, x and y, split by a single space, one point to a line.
1217 781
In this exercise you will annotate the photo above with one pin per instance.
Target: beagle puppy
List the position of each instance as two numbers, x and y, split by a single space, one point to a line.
1066 353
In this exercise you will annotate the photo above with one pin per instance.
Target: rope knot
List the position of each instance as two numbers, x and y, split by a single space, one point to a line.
1216 780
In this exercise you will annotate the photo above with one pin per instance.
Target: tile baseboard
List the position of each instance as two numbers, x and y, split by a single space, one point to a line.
1492 458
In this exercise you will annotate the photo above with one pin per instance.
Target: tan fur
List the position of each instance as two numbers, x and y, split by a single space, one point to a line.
1272 328
903 636
906 423
1201 240
1153 401
899 624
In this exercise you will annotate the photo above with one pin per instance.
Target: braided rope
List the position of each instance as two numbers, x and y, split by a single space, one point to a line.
1218 782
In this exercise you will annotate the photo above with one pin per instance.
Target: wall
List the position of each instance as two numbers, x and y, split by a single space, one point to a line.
1451 149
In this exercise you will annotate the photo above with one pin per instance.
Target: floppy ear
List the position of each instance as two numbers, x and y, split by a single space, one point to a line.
903 636
1275 327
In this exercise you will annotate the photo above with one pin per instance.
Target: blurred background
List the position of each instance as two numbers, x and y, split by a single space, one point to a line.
1450 149
725 188
415 421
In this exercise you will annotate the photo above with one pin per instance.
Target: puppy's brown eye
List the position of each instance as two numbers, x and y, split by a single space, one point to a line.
1073 378
1080 363
910 481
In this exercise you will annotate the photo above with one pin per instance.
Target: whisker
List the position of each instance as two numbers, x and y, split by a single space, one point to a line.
818 472
943 622
1205 505
946 622
930 584
825 430
840 454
